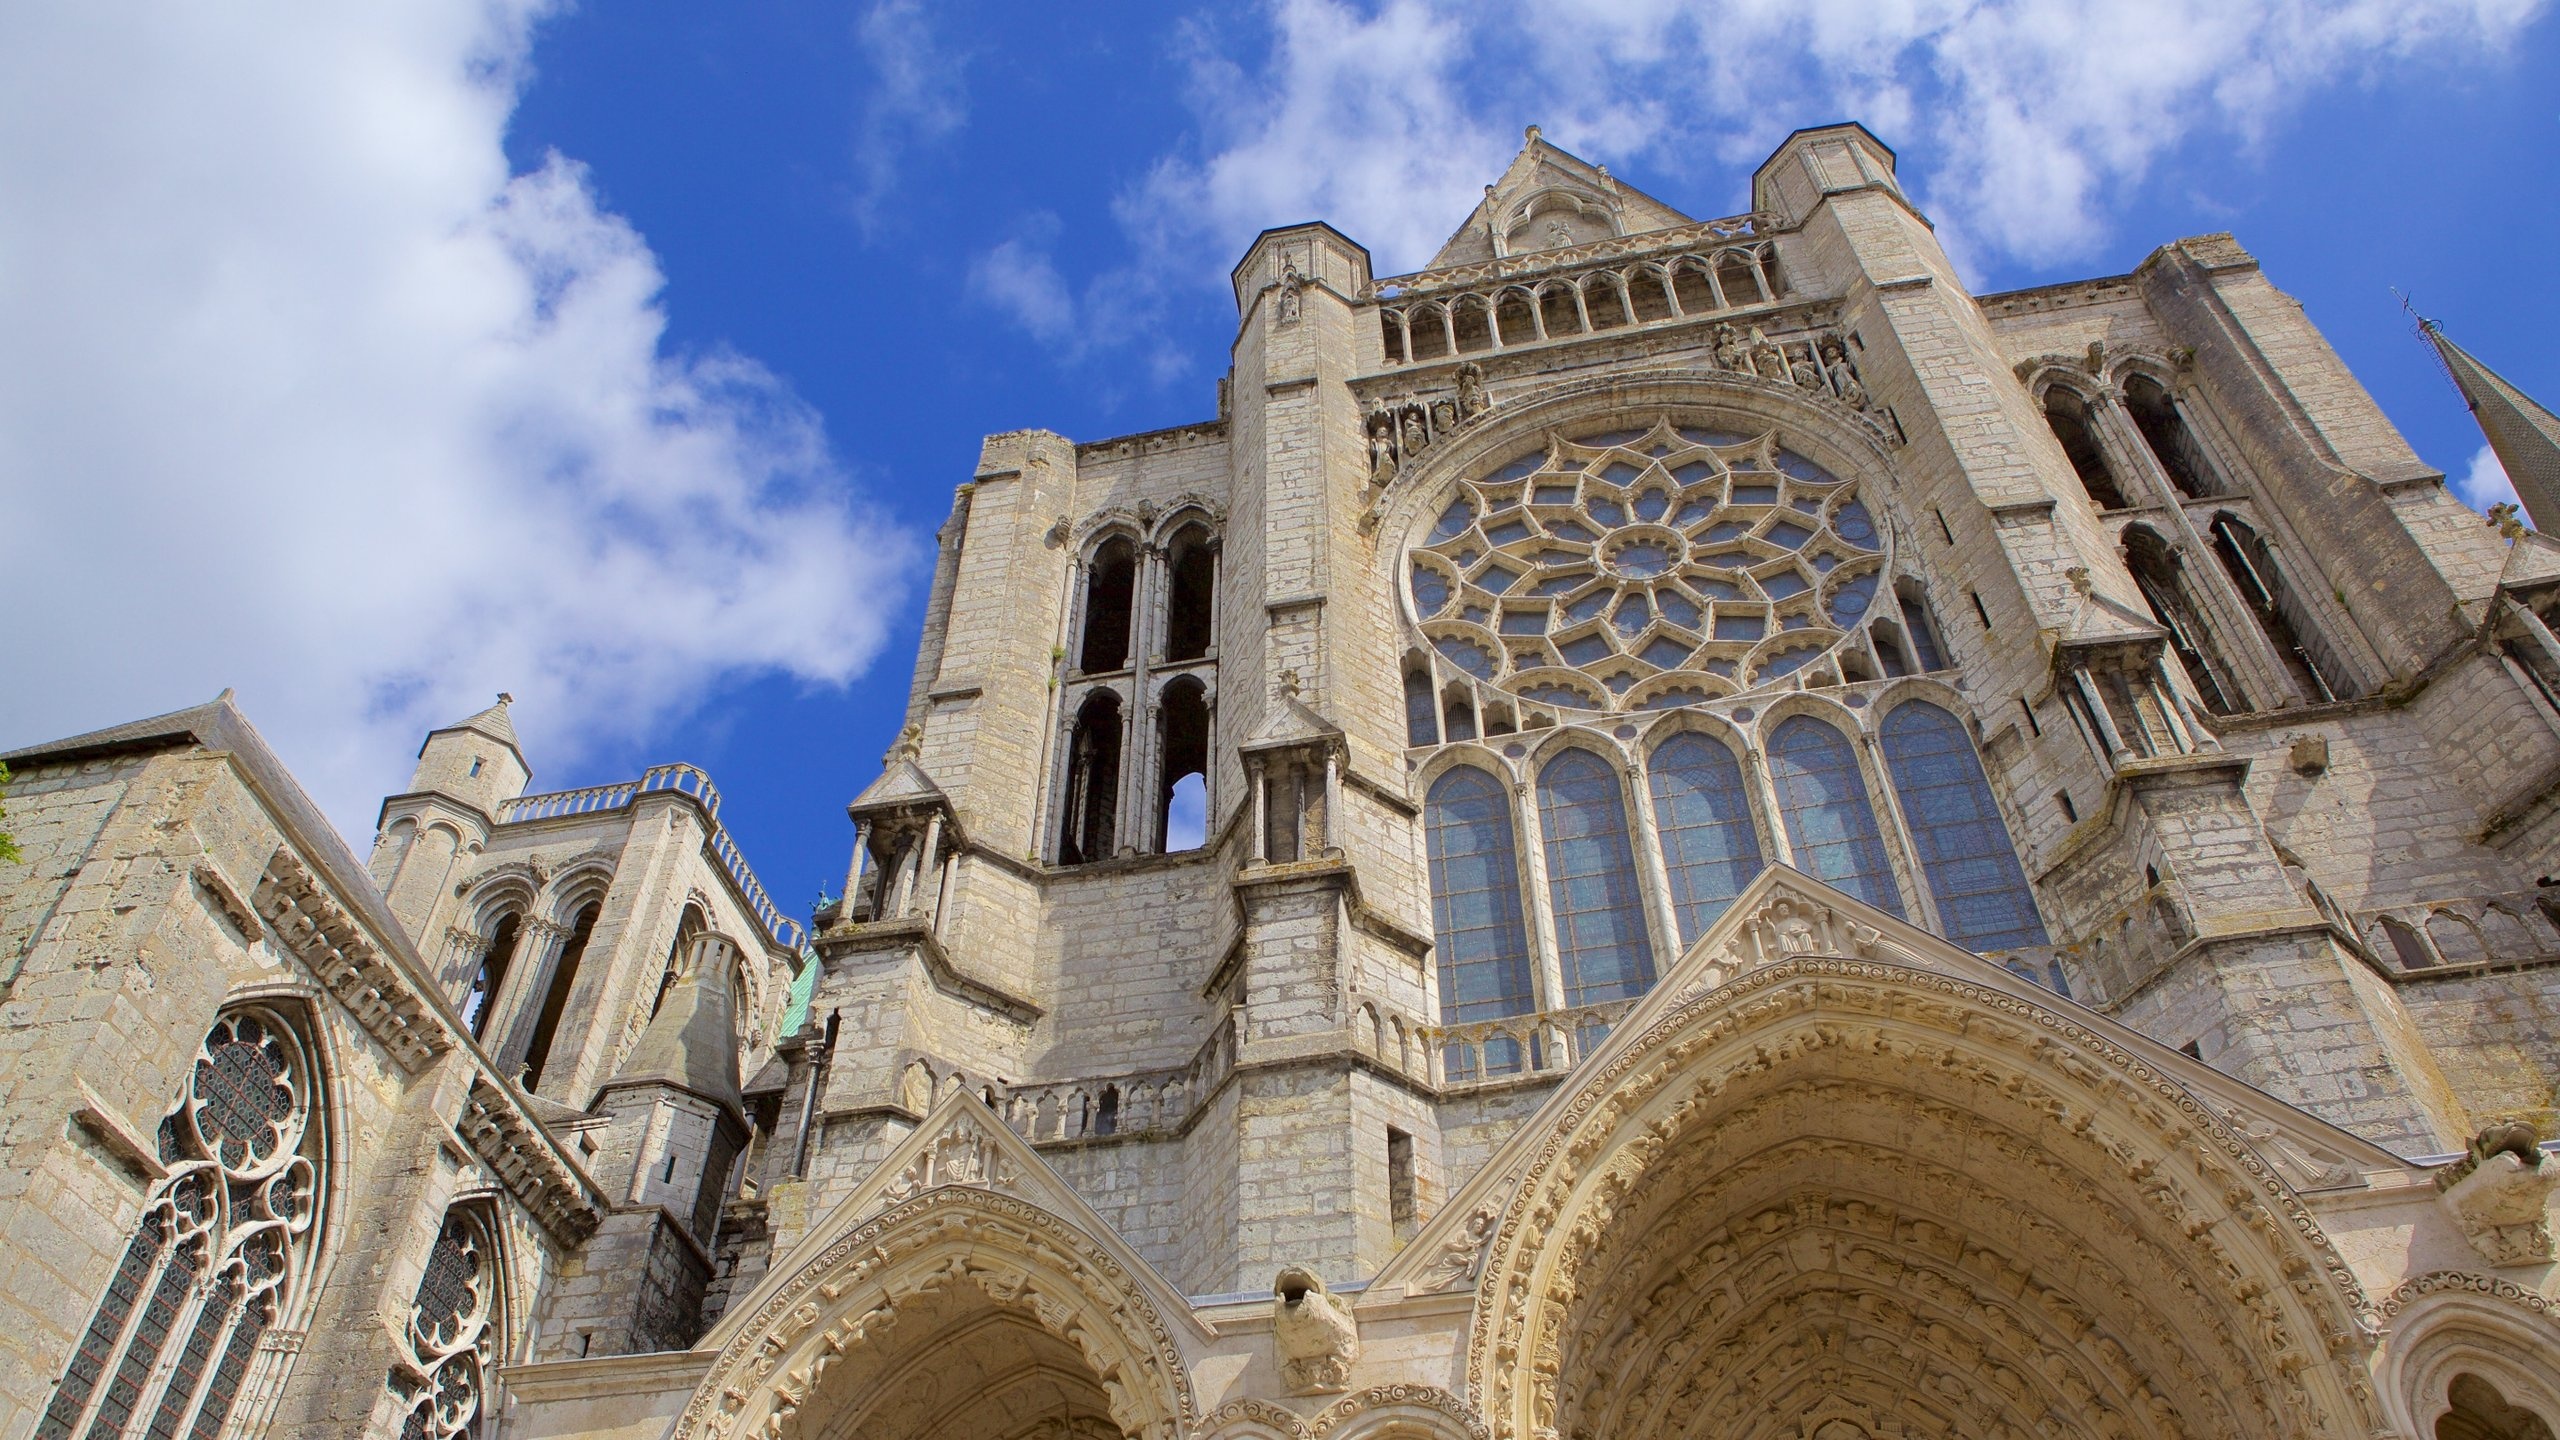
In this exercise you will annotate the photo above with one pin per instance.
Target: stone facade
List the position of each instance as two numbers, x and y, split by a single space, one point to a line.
1661 820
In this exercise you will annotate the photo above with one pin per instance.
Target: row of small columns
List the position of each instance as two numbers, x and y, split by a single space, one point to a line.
1308 844
905 892
1667 276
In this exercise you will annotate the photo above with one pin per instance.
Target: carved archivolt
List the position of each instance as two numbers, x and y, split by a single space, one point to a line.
1415 1410
1847 1178
1021 1257
2450 1323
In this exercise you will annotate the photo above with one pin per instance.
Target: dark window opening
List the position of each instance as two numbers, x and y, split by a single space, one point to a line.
1645 293
482 997
1110 584
555 1001
1888 649
686 929
1948 535
2156 570
1556 312
2033 726
1421 715
1182 796
1087 826
2192 1050
2244 554
1603 302
1106 1117
1474 323
2166 432
1428 331
1392 334
2069 416
2406 945
1741 281
1689 285
1518 325
1980 613
2070 812
1462 717
1922 627
1403 1209
1191 596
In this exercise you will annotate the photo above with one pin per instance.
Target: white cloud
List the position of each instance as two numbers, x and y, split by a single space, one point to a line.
915 97
1018 278
2030 118
310 395
2485 483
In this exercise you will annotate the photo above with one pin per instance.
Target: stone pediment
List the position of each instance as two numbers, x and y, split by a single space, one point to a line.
961 1143
2098 622
902 784
2534 559
1291 722
1551 199
1781 916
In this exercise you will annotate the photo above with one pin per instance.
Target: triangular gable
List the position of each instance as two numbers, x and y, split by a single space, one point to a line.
1540 168
2099 621
961 1142
903 783
1786 913
1291 721
2533 559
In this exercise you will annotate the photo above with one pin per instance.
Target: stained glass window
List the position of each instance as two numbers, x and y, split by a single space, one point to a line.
1476 925
1830 821
230 1229
451 1334
1964 849
1592 895
1703 814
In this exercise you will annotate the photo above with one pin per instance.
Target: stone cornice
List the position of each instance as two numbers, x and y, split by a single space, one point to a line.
526 1161
329 944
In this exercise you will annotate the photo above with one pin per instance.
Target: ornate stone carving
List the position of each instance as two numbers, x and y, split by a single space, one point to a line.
1313 1335
1473 403
1292 288
1446 1411
1462 1256
962 1155
2500 1194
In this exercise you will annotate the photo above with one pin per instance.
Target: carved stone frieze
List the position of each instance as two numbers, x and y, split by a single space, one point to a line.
315 930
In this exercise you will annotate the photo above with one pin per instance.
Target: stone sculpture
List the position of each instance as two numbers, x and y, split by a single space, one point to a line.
1312 1334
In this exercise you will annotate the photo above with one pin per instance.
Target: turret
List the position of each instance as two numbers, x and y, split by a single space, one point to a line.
465 772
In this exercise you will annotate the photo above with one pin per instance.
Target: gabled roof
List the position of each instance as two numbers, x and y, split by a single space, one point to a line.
2533 559
2522 433
2098 621
902 783
1290 721
1539 169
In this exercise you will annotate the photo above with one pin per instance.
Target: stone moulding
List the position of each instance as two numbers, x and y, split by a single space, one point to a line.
1528 1276
1758 225
2435 1282
1021 1255
522 1158
320 934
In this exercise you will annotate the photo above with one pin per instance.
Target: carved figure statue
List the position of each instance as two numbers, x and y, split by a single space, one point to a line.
1472 400
1766 360
1444 414
1291 283
1805 373
1728 352
1417 435
1382 459
1312 1334
1844 375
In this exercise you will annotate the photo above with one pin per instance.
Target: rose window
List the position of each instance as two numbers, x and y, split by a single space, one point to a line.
1643 569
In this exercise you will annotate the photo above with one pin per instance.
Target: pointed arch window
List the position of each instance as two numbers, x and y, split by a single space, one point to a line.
1477 928
1703 814
2163 429
1182 779
1110 592
1421 712
1830 820
2162 578
452 1337
2068 417
223 1246
1191 593
1963 846
481 995
2246 557
1592 894
555 1000
1090 815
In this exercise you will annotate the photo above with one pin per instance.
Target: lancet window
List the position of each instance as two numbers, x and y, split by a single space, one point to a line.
1961 843
223 1248
1592 897
1830 821
1110 596
1089 813
1191 593
1710 849
452 1337
1421 708
1481 937
1182 770
2171 442
2068 416
555 998
480 995
2161 577
2279 612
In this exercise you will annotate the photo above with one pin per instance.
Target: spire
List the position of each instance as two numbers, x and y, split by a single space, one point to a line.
2524 435
692 1042
493 722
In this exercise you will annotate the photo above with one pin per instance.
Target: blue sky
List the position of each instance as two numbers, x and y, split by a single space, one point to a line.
377 358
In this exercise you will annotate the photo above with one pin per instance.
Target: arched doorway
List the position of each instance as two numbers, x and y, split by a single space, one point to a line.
1855 1198
959 1313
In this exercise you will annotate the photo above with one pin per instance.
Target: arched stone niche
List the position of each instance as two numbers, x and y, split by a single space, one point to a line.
2450 1327
1846 1199
934 1316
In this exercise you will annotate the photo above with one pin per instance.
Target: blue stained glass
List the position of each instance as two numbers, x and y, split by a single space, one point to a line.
1589 605
1787 535
1677 610
1430 590
1850 600
1552 495
1421 718
1755 494
1852 523
1651 504
1704 816
1467 657
1633 615
1964 848
1696 472
1558 584
1509 532
1693 511
1665 652
1740 627
1673 699
1803 469
1524 622
1497 579
1642 558
1784 584
1607 512
1710 437
1517 468
1454 520
1478 934
1830 821
1614 437
1619 472
1715 589
1584 650
1786 662
1568 530
1591 881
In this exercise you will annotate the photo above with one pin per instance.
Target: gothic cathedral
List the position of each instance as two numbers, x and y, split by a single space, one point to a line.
1665 828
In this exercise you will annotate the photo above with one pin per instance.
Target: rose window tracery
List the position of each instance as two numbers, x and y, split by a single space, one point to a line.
452 1335
1641 569
221 1247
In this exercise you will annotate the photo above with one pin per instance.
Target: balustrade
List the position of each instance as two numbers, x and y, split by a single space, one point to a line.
682 780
